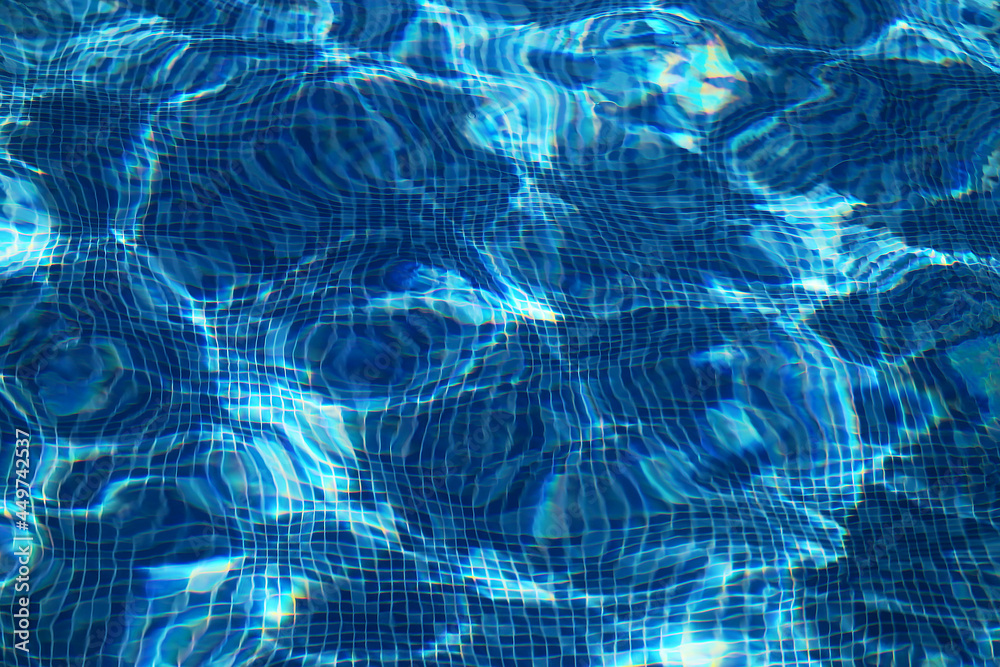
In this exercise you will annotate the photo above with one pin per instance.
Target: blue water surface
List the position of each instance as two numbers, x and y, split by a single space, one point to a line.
488 333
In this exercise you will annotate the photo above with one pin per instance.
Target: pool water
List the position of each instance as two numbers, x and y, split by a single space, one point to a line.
500 333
